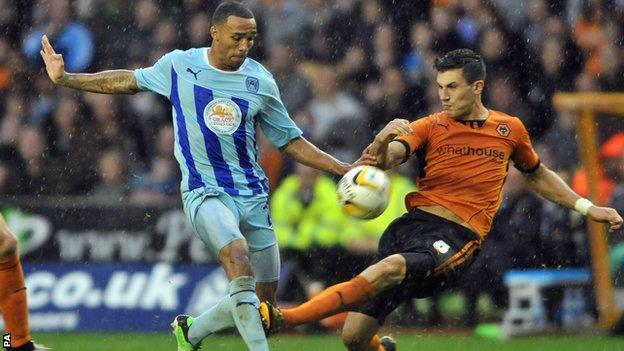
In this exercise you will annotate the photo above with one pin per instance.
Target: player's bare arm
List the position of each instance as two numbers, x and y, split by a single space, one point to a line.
549 185
106 82
308 154
388 152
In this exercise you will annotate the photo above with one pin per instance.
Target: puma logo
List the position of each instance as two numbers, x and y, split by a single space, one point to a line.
194 73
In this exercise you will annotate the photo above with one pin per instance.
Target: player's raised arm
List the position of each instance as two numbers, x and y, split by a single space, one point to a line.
106 82
549 185
385 149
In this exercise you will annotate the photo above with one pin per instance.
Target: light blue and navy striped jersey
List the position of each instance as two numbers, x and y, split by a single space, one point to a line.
215 115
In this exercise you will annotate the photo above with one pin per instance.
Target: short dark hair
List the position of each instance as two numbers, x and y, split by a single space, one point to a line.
230 8
471 64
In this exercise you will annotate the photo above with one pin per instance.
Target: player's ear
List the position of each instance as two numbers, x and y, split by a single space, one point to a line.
478 86
213 32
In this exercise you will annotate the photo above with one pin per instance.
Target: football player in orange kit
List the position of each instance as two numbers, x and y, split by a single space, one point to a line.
464 151
13 304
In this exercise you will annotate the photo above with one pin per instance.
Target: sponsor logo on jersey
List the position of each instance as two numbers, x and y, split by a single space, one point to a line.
222 116
496 155
193 72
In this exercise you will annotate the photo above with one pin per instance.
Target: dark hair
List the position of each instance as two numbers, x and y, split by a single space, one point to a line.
471 64
230 8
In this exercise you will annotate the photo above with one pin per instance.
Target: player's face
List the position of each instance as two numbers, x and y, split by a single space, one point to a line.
456 95
232 40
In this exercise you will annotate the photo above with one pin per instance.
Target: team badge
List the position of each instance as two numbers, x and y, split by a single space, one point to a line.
503 129
441 246
252 84
222 116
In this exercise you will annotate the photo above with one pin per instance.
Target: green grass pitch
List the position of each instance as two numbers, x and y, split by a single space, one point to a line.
331 342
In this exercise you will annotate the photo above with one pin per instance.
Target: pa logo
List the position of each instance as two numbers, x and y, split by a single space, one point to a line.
252 84
6 341
503 129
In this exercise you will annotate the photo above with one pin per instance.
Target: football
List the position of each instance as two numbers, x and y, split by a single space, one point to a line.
364 192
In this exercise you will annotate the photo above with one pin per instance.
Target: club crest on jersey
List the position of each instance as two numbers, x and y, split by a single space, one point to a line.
222 116
503 129
252 84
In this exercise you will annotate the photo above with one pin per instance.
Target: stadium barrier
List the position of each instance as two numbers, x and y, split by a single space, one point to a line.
92 267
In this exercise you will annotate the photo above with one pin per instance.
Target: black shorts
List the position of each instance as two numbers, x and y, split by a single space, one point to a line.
437 252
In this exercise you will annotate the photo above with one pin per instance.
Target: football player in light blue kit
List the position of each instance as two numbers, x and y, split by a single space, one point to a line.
219 97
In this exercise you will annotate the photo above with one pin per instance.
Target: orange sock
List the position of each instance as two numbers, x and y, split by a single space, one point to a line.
335 299
13 304
375 344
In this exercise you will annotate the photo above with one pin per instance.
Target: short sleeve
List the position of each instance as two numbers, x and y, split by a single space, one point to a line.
275 122
524 157
158 77
419 135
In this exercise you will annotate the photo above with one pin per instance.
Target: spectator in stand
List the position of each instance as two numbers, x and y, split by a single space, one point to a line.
112 171
611 76
198 30
385 51
589 34
165 35
504 96
71 38
561 140
308 222
37 172
421 51
553 72
159 185
13 120
608 175
355 70
139 40
68 149
111 126
296 89
339 119
397 99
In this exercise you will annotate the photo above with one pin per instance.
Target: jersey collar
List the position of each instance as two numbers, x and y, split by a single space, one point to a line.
240 69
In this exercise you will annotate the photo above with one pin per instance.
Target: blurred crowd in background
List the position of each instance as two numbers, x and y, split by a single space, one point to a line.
345 68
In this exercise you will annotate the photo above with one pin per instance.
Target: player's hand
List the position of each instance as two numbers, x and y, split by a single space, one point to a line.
55 66
605 215
366 159
395 128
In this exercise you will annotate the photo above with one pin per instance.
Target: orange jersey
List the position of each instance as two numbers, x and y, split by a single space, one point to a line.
466 163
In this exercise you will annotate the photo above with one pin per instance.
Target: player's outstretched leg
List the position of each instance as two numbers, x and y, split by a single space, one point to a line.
13 304
338 298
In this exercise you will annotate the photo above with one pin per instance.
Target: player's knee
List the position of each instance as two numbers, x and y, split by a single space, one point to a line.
392 269
8 244
236 255
353 340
